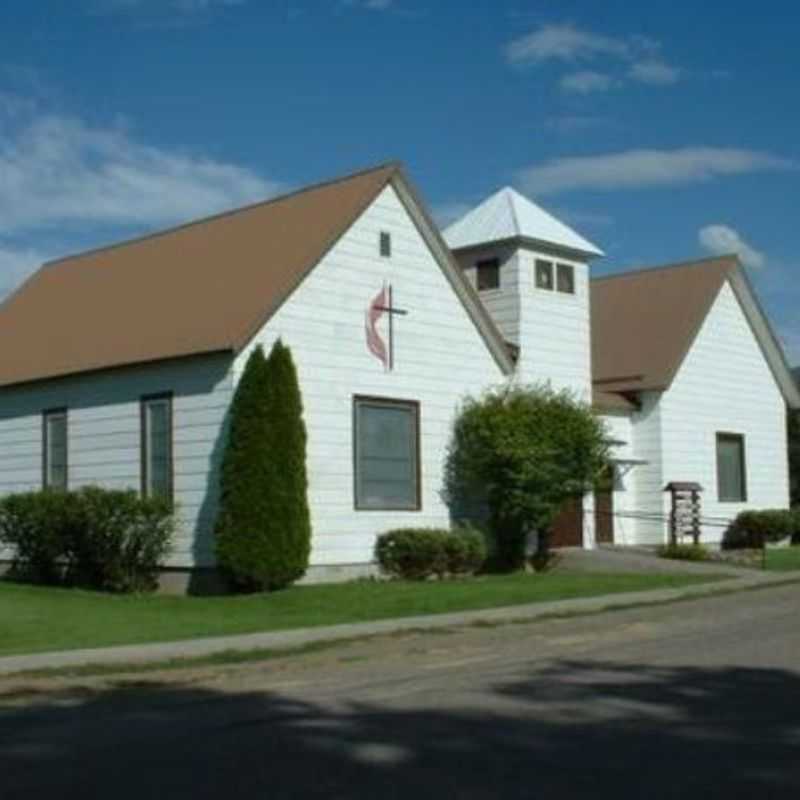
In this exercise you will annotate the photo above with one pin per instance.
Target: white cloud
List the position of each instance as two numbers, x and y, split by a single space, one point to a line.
57 170
641 168
724 240
655 72
586 81
563 43
63 181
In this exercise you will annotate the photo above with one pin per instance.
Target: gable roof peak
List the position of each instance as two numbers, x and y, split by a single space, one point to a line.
508 215
645 321
237 267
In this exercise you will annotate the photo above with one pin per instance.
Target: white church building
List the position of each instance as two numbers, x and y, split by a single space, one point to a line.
118 365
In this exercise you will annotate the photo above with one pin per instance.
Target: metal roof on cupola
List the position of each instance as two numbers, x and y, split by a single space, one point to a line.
507 216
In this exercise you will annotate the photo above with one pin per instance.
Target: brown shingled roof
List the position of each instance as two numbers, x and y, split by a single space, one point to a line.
203 287
644 322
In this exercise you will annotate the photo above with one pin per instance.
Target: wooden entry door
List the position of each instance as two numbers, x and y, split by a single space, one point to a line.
604 507
567 530
604 516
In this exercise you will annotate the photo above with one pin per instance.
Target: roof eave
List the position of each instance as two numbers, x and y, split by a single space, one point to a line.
541 245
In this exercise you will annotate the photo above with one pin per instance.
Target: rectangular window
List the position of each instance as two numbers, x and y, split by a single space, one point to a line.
731 468
386 450
386 244
544 274
565 278
55 449
157 446
488 274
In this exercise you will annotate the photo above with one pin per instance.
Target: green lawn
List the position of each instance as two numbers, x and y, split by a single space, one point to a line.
34 619
782 559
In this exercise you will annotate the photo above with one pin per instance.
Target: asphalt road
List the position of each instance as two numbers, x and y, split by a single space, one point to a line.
697 699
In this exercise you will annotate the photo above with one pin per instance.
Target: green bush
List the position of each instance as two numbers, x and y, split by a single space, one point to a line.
412 553
419 553
263 532
754 529
38 528
522 452
684 552
465 550
121 541
93 537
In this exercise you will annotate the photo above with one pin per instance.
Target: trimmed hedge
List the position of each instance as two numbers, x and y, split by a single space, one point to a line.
419 553
683 552
40 529
96 538
122 540
754 529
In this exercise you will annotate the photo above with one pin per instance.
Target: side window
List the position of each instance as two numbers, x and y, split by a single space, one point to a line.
55 445
731 468
156 414
565 278
544 274
488 274
386 454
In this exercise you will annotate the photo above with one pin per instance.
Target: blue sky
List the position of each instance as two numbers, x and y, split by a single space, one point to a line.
660 130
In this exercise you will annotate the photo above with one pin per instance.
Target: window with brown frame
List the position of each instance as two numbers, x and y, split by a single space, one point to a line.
565 278
157 462
488 274
386 454
544 274
731 468
55 449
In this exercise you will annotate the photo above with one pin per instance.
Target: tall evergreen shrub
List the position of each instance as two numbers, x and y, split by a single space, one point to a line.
264 527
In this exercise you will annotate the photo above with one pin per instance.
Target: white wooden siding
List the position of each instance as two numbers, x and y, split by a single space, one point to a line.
103 413
439 358
503 303
647 480
725 385
554 329
619 427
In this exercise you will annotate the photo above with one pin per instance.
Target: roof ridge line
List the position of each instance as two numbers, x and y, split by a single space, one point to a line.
512 207
393 164
674 265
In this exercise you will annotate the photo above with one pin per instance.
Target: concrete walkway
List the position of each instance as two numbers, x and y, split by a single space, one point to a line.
608 558
290 640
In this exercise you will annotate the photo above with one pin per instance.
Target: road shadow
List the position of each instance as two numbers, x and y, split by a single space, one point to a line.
574 730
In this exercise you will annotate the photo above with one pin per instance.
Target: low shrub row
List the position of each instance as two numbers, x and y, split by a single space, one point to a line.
754 529
684 552
94 538
419 553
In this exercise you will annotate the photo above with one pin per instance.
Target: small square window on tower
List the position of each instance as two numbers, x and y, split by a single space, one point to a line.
544 274
565 278
488 274
386 244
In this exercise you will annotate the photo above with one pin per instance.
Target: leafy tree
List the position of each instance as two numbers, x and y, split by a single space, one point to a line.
522 452
264 528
